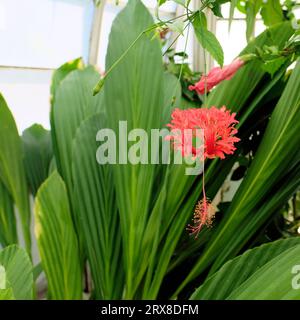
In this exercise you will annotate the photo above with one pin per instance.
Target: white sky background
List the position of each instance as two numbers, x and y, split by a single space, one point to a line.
44 34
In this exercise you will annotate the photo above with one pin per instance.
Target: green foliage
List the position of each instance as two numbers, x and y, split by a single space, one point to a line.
96 207
73 103
12 173
37 155
127 222
236 94
8 230
238 277
133 199
266 172
271 12
57 241
62 72
272 66
207 39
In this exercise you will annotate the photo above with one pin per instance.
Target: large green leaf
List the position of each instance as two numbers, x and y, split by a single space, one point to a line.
8 230
18 274
57 241
277 196
277 277
133 92
96 207
12 171
37 155
73 103
236 272
207 39
58 76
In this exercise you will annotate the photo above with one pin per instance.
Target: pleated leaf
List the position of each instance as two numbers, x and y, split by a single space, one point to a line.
73 103
37 155
274 281
236 272
133 93
57 241
12 171
8 230
96 206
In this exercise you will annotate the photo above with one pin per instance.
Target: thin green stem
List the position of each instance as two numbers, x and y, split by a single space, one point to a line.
176 38
181 67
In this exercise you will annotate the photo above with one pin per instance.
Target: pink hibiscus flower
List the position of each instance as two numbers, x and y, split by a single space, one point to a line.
218 129
219 138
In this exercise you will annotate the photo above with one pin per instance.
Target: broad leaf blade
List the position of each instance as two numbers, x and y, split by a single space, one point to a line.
8 230
139 100
271 12
73 103
276 277
37 155
208 40
96 209
57 241
235 272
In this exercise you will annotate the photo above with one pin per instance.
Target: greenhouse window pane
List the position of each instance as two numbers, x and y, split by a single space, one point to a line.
44 33
18 86
234 41
109 14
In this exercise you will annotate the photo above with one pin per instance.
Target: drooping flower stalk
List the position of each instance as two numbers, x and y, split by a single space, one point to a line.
203 214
